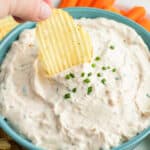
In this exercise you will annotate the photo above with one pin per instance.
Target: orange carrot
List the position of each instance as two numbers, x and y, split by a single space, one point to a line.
84 2
113 9
68 3
123 12
103 3
145 23
136 13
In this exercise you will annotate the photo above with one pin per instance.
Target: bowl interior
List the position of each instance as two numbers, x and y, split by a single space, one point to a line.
76 13
94 13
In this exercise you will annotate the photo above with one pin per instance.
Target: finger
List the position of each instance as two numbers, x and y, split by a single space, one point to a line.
48 2
34 10
4 8
18 19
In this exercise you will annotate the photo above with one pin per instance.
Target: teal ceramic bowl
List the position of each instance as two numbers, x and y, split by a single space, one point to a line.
76 13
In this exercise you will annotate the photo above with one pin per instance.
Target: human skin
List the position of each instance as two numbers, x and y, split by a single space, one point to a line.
25 10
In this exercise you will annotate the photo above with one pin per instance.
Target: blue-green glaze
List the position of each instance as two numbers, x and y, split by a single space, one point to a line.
76 13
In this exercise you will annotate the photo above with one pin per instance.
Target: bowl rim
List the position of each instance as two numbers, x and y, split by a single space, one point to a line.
27 144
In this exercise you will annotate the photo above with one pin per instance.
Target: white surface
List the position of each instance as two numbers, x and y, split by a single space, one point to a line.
131 3
145 145
55 2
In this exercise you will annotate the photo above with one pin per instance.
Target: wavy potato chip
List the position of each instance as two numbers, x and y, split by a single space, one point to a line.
6 25
62 43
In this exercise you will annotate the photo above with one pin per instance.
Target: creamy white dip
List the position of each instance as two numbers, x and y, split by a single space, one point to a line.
98 105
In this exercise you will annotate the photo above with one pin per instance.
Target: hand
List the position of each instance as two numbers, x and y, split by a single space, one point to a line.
23 10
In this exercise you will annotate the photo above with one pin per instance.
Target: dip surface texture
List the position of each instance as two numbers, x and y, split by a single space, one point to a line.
87 107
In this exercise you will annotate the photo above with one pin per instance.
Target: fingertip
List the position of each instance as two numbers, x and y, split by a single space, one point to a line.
44 11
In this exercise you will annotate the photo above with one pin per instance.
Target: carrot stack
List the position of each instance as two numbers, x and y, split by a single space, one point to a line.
85 3
145 23
103 3
136 13
68 3
113 9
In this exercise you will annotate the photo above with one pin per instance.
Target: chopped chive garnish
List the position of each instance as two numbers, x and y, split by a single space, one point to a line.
67 77
67 96
74 90
108 67
98 75
89 74
112 47
148 95
82 74
86 80
114 70
103 81
97 58
104 68
93 65
72 75
89 89
117 78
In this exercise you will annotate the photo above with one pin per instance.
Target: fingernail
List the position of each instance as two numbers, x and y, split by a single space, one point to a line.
45 11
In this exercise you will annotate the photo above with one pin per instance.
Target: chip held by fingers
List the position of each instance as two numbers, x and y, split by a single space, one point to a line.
6 25
62 43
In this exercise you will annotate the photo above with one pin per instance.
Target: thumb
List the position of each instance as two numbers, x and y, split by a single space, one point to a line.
34 10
